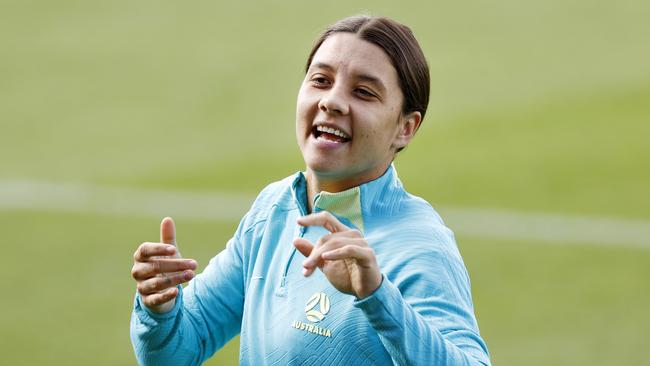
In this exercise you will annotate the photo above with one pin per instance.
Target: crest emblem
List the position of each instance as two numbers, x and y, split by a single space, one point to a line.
317 307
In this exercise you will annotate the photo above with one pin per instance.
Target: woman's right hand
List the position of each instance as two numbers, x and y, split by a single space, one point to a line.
159 269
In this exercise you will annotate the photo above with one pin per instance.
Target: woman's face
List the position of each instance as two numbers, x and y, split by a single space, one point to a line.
348 117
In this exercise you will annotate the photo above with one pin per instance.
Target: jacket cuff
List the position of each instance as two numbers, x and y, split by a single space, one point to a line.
376 305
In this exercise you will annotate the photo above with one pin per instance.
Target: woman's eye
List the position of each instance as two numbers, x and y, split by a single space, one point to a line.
320 81
365 93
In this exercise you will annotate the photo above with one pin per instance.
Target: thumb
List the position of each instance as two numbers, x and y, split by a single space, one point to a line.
168 231
303 246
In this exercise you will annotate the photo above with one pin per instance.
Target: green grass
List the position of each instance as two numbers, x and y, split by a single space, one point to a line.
535 106
69 282
567 305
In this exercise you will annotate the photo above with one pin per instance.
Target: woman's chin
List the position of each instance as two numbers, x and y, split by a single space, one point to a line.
324 168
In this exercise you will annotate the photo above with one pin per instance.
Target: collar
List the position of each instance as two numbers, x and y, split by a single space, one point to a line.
355 205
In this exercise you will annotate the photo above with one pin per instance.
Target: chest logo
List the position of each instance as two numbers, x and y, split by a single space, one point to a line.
317 307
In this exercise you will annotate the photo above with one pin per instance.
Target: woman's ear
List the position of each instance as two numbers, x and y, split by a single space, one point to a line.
408 125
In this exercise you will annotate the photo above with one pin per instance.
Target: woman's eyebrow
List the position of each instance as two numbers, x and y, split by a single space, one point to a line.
321 65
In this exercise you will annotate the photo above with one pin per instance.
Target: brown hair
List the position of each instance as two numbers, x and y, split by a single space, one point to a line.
402 48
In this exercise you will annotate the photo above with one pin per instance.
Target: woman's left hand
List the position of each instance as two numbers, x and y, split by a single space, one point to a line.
344 256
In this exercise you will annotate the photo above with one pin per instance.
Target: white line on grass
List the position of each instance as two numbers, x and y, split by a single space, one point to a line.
474 222
546 227
85 198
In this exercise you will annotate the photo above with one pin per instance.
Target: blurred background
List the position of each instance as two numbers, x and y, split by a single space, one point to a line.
534 150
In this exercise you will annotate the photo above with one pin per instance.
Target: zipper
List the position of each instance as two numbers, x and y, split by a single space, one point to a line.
298 232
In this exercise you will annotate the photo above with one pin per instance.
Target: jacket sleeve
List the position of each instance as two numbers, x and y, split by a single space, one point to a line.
206 315
426 316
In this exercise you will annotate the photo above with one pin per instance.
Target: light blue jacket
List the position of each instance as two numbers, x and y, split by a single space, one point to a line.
422 313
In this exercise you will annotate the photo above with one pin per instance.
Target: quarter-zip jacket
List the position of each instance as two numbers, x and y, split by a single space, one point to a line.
422 313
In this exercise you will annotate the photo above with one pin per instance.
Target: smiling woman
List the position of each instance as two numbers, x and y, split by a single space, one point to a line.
336 265
349 120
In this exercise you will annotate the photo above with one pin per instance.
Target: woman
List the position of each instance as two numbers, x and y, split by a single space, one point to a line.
336 265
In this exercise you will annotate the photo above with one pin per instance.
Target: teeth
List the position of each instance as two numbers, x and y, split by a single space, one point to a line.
333 131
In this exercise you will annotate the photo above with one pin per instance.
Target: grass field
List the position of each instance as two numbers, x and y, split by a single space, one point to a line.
537 106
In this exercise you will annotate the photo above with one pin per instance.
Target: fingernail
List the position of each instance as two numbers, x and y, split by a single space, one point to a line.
170 249
188 275
304 271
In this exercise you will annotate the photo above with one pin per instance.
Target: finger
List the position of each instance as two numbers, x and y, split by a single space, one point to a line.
160 283
332 241
168 234
349 234
324 219
304 246
147 250
160 298
145 270
315 257
168 231
364 256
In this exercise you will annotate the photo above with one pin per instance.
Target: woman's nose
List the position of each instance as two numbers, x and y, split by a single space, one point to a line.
334 102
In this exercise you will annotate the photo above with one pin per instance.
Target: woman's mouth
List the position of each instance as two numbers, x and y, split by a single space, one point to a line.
330 134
